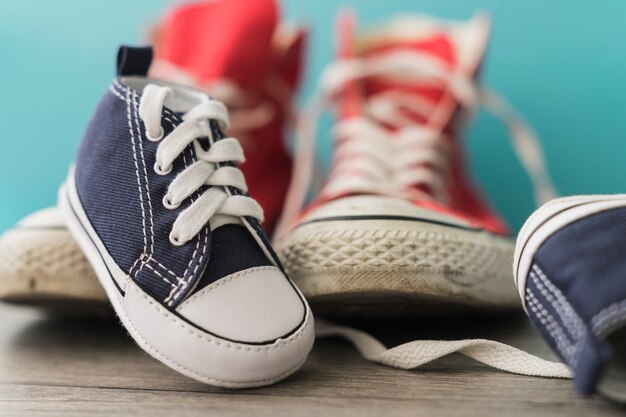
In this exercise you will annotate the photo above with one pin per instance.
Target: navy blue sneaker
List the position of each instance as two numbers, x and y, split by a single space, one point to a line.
159 207
570 270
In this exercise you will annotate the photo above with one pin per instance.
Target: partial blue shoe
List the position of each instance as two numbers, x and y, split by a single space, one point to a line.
157 203
570 270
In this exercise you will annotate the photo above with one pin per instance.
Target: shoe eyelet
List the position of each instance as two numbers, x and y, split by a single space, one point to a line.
161 171
175 241
168 204
156 138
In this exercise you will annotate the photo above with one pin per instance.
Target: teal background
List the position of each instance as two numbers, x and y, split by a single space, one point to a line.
562 63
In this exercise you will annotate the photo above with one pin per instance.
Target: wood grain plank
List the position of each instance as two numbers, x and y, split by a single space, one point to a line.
66 367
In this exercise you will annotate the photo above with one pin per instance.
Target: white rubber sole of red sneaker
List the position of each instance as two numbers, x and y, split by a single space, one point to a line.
173 341
389 268
42 266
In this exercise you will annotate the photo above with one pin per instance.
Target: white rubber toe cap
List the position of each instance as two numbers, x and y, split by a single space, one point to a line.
252 306
208 357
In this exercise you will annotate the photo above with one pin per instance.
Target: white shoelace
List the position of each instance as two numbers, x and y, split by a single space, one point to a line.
419 352
243 117
216 204
392 163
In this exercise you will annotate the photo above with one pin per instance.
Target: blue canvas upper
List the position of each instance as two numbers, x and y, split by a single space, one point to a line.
576 292
122 197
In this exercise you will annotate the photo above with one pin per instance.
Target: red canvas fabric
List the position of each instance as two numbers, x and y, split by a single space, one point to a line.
241 41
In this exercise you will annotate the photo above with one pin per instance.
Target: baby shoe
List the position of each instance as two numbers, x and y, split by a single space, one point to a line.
570 271
157 204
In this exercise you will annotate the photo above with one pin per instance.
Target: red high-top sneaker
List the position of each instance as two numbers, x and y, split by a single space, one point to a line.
251 63
399 228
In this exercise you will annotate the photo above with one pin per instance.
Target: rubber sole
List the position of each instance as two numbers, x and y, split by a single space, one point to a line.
392 268
44 267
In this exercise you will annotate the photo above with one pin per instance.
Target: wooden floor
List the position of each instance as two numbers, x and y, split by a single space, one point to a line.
61 367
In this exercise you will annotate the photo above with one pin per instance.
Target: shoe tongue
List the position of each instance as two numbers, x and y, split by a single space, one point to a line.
219 39
457 46
436 44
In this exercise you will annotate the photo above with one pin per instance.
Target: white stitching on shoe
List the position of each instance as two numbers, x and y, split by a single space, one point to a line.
573 329
145 257
572 317
145 172
159 274
135 264
150 257
114 91
143 214
554 328
184 281
168 119
147 253
164 268
193 255
608 316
